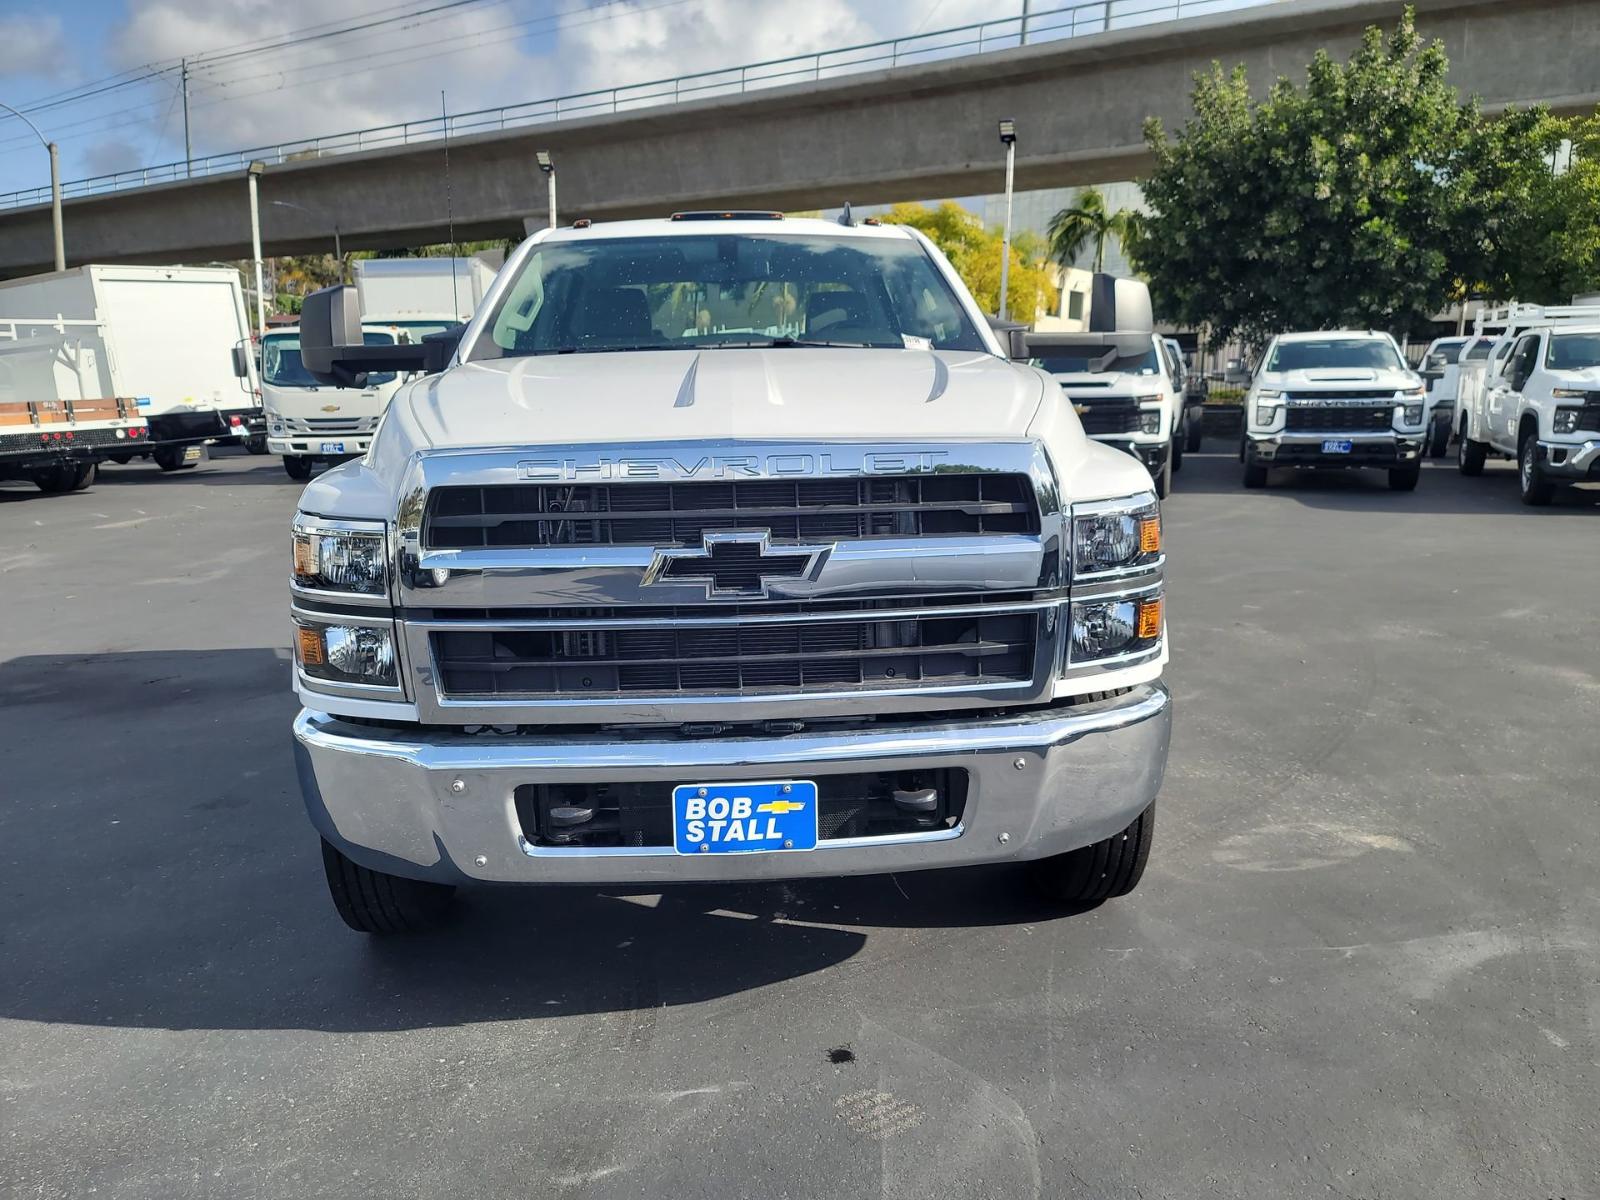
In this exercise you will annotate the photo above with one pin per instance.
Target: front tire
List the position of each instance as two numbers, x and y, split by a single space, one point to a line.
298 467
372 902
256 443
1175 453
1439 442
173 458
1255 473
1102 871
1404 479
1537 490
1164 479
1470 455
1195 434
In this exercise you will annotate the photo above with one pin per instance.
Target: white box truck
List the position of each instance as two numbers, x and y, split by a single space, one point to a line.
175 339
421 295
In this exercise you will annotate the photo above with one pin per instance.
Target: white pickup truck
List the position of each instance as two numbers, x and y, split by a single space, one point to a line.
1335 399
725 547
1536 398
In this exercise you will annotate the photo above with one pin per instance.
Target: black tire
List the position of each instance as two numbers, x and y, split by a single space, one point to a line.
1164 479
1255 473
1470 455
1195 434
1102 871
64 477
173 458
1537 490
298 466
1439 439
1175 453
255 443
121 460
1404 479
372 902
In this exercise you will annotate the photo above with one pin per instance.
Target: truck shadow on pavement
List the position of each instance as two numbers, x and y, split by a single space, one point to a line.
1442 490
159 872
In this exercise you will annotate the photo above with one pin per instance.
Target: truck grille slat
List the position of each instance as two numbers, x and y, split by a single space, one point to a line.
1340 418
797 656
1109 415
678 514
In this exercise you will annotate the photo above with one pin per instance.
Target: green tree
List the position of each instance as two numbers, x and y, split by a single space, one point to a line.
1090 221
974 251
1557 236
1369 197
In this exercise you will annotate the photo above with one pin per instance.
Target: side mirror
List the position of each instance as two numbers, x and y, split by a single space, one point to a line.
1436 361
439 348
332 348
1013 336
241 361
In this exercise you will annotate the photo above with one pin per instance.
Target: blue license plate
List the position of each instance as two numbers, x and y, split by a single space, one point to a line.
735 818
1334 447
333 447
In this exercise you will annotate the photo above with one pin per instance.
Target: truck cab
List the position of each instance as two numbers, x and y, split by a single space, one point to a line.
715 548
1441 375
309 422
1539 402
1335 399
1120 380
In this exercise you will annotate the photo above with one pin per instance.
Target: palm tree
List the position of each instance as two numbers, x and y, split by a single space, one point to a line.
1089 220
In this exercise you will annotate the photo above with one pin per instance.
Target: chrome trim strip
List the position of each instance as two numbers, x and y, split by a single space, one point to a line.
574 624
888 839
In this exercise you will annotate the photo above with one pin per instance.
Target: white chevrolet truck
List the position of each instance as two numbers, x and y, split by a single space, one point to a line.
725 547
1536 398
1340 399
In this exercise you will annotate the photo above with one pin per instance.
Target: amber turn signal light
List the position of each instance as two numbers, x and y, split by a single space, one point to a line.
311 652
1149 619
1150 535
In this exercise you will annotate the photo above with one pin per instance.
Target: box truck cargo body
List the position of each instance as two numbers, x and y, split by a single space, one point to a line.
421 295
175 339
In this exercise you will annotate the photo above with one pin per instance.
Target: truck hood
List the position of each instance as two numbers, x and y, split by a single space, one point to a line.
1094 383
799 394
1337 378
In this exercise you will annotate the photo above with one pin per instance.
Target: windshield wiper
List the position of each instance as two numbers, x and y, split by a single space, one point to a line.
783 343
609 349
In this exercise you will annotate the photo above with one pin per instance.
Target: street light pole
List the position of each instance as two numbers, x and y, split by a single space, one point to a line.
1008 137
338 245
254 172
55 187
549 169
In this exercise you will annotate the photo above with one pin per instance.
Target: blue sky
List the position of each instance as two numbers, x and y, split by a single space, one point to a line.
248 89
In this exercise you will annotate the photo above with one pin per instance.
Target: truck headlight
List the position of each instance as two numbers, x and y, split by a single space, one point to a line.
346 653
341 557
1150 420
1411 414
1117 537
1115 628
1566 420
276 428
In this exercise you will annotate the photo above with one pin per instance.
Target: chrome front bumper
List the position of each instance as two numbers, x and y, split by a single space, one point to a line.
1570 460
310 445
438 805
1282 449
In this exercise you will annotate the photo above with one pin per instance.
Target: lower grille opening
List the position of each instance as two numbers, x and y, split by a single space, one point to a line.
640 814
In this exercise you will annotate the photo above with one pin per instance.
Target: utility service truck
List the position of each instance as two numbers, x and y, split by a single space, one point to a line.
56 424
173 339
725 547
1535 397
1122 380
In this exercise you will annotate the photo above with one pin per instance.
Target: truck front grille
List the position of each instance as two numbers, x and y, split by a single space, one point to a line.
737 657
1341 418
1589 417
677 514
1110 415
323 426
640 814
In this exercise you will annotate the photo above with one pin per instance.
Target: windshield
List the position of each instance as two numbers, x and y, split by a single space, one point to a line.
281 365
694 292
1098 360
1573 351
1478 352
1373 354
1449 351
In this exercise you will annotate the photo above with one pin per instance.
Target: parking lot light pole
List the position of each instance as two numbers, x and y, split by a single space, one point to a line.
55 186
254 171
549 169
1008 138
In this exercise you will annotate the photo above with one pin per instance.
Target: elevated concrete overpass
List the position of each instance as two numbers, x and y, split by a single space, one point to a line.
926 130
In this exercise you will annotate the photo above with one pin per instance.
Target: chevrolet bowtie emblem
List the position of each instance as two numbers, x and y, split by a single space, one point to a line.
330 408
732 565
1080 409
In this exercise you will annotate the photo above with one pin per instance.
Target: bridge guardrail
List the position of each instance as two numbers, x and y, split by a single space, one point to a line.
1001 33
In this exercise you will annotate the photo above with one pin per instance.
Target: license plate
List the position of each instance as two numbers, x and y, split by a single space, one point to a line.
333 447
740 818
1336 447
191 454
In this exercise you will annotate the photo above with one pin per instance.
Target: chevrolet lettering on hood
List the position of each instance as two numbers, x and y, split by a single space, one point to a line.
737 466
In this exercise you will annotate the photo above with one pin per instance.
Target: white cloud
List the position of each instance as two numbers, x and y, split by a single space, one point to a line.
33 46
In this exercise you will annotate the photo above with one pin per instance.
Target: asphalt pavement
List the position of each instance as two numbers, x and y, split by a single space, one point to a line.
1364 962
